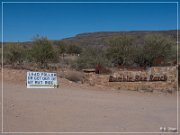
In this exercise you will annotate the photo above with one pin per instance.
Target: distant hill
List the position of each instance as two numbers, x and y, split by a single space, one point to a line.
100 38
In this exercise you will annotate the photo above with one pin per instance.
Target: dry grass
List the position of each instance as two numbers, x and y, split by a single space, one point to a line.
71 75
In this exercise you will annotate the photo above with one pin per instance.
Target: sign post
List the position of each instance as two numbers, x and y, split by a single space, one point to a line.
41 80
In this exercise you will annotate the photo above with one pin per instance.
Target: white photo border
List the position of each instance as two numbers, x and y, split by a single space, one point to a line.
88 2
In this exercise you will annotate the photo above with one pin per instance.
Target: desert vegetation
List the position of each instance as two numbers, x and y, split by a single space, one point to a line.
114 51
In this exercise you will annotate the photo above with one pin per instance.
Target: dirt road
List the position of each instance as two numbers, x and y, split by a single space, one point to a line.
75 109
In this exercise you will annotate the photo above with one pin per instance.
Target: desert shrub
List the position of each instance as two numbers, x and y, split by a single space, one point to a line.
43 52
61 47
173 54
91 57
120 50
157 50
14 54
157 46
74 49
139 56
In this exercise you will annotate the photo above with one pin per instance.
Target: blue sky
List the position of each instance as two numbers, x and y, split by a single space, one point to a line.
57 21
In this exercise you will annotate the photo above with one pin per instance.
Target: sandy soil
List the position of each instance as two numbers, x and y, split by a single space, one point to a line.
75 107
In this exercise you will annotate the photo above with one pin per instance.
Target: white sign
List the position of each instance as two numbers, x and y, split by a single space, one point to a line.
41 80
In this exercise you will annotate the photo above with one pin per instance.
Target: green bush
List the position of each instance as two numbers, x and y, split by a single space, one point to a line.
139 56
120 50
155 50
61 48
43 52
14 54
74 49
157 46
91 57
